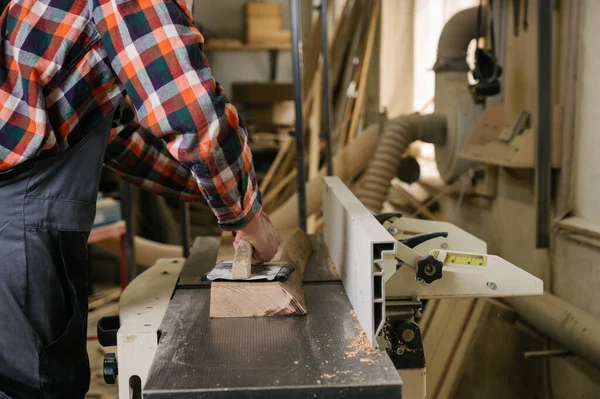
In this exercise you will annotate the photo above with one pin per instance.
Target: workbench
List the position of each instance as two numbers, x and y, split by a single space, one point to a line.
268 357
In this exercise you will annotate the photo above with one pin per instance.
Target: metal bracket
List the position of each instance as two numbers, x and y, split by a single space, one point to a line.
403 335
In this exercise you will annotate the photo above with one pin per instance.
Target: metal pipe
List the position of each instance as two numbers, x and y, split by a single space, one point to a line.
184 212
326 89
127 212
566 324
543 169
299 133
398 134
455 38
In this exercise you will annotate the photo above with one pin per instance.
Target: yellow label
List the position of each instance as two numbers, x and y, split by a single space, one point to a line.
457 258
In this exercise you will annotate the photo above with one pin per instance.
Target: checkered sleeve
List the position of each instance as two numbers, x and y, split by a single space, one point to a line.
156 52
142 158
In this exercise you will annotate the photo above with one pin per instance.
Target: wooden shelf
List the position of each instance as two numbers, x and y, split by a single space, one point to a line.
237 45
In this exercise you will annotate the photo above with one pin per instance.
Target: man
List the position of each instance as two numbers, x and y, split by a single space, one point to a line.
66 70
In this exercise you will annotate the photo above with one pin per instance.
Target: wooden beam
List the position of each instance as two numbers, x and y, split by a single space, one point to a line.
283 149
444 334
272 194
466 341
263 299
364 71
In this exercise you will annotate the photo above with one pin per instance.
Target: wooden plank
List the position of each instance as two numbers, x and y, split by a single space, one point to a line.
242 260
237 45
342 108
458 359
264 299
314 144
283 150
443 336
344 33
366 63
279 187
428 315
581 226
571 26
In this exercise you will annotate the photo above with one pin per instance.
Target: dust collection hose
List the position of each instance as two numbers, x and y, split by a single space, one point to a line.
398 134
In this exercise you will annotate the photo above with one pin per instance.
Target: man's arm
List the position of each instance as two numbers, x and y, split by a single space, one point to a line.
155 51
138 156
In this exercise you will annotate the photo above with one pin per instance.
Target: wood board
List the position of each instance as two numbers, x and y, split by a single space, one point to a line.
264 299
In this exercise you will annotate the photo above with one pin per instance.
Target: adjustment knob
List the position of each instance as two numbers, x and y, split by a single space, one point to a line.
111 368
429 269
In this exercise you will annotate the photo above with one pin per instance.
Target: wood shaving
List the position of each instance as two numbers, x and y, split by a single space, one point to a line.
365 360
328 376
362 345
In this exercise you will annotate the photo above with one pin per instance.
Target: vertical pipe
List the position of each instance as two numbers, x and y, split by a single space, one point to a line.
127 211
326 95
299 133
544 124
184 211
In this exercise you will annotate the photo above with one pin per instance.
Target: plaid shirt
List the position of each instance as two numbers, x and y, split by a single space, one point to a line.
67 65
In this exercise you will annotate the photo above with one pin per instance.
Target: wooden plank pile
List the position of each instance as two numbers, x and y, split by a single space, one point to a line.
351 50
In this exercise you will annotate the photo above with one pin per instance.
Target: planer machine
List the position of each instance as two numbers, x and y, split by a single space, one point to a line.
364 284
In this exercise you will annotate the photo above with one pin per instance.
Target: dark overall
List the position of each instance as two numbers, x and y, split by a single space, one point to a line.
47 209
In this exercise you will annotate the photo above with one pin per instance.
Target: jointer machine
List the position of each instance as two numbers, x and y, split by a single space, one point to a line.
364 284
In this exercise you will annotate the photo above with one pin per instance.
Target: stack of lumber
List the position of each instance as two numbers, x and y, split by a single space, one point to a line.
264 24
351 50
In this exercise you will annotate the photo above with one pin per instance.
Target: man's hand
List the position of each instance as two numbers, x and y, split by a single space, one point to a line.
263 237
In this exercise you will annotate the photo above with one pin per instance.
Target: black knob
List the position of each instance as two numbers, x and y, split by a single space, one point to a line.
429 269
111 368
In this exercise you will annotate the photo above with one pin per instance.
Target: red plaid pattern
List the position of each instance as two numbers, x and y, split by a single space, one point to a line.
67 65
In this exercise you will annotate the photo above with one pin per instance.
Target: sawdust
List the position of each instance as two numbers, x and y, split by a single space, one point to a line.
360 345
353 313
365 360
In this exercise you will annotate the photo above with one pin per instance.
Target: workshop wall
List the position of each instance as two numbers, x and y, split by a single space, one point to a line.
571 270
587 196
225 19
